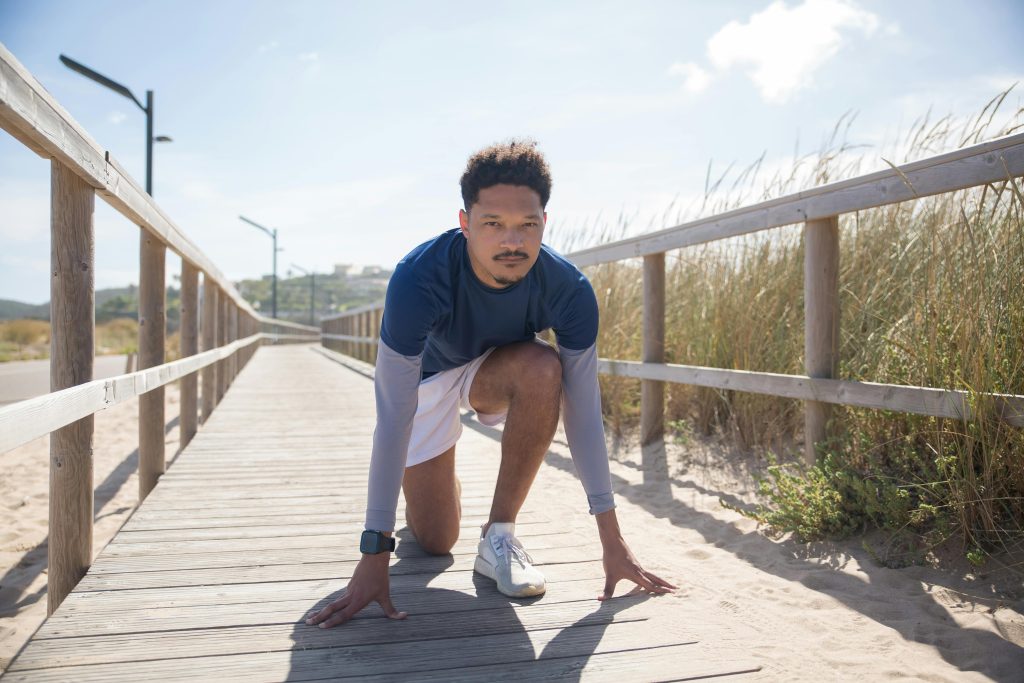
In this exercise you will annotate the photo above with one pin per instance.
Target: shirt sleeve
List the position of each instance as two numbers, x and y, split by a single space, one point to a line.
396 383
584 428
408 316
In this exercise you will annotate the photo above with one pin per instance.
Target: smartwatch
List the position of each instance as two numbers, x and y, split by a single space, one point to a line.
375 542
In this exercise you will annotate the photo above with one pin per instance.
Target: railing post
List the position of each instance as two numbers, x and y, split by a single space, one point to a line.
222 337
72 316
821 321
233 336
152 332
378 317
189 347
652 393
365 332
209 342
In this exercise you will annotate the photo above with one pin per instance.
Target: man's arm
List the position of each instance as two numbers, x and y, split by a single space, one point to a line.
584 430
396 382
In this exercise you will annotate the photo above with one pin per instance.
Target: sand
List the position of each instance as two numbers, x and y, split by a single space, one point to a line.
811 612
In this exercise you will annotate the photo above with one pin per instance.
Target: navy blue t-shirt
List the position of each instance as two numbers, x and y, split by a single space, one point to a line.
436 305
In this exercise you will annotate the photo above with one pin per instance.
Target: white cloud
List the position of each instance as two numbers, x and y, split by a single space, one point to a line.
309 57
781 48
116 117
267 47
695 78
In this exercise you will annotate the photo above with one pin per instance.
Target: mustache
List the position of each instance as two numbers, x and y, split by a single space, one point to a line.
511 254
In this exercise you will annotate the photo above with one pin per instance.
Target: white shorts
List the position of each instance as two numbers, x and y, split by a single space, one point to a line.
438 423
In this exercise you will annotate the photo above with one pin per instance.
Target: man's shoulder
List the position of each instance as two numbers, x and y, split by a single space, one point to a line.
560 275
431 258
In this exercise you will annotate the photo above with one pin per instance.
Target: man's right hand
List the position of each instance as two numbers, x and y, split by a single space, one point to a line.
370 583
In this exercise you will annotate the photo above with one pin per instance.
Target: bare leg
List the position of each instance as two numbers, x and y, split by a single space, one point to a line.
433 507
526 380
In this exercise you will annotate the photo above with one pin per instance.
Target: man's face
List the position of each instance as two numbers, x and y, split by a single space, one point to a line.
503 231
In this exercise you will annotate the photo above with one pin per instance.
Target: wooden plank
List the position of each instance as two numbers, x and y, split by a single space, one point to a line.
294 572
263 556
72 308
312 662
573 597
459 577
987 162
946 403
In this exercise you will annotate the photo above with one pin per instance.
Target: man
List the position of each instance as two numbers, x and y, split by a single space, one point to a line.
459 326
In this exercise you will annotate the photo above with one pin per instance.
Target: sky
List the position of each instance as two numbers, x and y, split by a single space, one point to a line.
346 125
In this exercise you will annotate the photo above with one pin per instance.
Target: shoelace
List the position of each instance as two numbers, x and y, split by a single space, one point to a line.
510 545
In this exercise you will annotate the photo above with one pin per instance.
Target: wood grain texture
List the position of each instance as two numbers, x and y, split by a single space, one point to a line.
821 322
652 392
152 339
189 346
209 330
256 525
947 403
72 342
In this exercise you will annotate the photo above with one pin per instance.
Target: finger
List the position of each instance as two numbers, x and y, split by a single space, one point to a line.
660 581
341 617
609 589
327 611
649 584
389 609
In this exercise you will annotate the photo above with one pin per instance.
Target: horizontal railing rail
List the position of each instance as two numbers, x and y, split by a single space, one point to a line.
230 330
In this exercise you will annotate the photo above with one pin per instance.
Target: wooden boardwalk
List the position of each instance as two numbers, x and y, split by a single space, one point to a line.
256 523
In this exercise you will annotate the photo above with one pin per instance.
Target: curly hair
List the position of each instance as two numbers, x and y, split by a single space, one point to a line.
514 162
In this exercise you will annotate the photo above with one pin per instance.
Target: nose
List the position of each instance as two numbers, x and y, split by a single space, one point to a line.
512 239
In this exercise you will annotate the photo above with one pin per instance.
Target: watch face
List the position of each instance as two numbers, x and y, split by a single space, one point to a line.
370 542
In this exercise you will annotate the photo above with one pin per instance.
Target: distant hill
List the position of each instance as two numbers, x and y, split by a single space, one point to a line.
13 310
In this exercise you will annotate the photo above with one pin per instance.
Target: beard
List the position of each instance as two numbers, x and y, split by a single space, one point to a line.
506 281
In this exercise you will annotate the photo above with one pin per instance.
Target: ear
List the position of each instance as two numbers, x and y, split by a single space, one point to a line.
464 221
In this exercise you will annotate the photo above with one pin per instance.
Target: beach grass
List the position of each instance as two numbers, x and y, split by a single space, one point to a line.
931 294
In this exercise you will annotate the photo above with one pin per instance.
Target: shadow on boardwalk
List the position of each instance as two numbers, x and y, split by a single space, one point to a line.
449 634
971 650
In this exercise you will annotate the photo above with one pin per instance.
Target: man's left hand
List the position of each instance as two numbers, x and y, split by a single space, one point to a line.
619 563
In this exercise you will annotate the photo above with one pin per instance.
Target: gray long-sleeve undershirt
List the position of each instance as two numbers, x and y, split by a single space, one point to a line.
396 386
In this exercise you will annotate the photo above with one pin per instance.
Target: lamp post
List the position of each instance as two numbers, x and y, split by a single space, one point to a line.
273 282
312 291
147 109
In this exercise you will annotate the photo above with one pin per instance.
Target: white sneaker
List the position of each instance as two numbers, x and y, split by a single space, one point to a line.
500 556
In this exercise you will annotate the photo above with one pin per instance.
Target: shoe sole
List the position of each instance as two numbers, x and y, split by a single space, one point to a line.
482 566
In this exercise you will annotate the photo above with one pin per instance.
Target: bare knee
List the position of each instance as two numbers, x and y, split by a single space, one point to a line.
542 370
437 541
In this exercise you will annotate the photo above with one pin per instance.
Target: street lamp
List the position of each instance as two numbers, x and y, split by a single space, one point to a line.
312 291
122 90
273 282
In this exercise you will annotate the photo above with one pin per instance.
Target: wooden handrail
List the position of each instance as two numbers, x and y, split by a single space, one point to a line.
32 418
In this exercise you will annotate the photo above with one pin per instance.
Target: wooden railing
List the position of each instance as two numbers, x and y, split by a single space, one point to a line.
354 332
229 331
818 210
